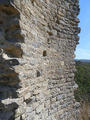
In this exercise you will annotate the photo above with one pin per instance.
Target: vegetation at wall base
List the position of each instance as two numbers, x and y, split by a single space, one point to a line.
82 78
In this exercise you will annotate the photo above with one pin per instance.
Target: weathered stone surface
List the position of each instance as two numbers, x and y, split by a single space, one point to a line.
38 39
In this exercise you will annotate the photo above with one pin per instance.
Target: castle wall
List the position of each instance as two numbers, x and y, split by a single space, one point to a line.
38 39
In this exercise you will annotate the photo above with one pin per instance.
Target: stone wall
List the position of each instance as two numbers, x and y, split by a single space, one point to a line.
37 43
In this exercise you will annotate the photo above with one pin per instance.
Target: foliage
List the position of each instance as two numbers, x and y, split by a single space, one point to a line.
82 78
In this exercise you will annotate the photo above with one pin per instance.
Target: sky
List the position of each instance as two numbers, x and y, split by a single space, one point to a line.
83 49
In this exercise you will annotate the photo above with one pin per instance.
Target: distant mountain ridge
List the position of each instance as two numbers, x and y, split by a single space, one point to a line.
83 60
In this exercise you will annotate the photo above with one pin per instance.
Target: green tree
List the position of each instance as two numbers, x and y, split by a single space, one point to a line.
82 78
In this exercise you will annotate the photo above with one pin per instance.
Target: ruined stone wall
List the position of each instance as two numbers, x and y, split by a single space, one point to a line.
37 43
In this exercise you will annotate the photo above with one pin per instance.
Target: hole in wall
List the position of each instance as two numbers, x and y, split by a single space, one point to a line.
38 74
44 53
32 1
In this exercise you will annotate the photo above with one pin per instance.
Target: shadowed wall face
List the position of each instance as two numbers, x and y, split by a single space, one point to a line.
10 39
47 33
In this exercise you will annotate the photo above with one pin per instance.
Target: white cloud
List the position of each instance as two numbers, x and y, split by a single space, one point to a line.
82 53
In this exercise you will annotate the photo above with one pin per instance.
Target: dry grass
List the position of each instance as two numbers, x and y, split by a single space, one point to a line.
85 111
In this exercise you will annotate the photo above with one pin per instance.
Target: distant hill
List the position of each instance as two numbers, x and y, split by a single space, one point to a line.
83 60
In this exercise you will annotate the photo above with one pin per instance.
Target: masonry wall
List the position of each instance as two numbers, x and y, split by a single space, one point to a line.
37 43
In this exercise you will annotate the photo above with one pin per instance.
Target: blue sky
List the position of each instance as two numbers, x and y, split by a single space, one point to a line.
83 49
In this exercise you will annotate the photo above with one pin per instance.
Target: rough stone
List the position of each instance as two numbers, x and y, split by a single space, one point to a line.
37 43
